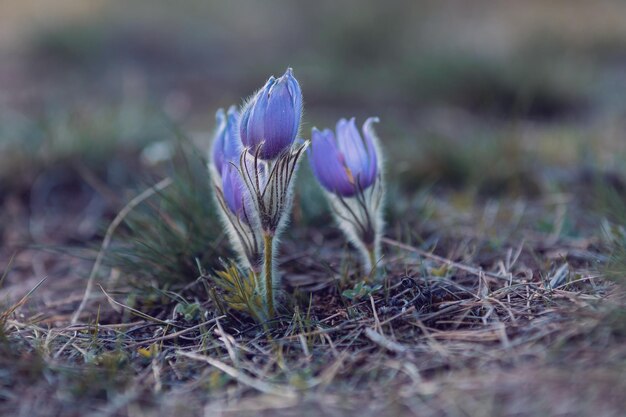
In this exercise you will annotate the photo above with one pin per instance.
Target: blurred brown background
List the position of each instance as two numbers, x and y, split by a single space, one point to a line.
539 59
474 95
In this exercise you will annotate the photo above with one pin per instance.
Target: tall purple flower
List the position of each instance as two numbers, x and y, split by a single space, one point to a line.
271 119
253 167
344 163
226 144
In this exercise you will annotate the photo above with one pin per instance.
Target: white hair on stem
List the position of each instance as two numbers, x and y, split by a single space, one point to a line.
270 186
243 235
360 217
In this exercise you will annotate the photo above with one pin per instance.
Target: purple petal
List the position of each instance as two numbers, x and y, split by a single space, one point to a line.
217 151
368 133
243 122
232 187
351 145
327 163
232 141
255 126
279 120
296 95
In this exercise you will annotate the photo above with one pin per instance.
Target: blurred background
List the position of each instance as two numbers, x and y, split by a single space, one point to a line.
482 98
443 66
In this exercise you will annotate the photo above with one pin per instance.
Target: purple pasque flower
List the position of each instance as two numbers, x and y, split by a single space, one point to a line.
226 144
233 190
344 163
271 119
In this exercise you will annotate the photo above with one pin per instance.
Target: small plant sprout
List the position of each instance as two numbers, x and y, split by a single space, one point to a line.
361 291
268 128
349 168
237 215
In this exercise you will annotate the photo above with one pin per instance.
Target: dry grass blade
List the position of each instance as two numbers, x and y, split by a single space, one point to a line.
443 260
6 270
161 185
257 384
175 334
5 315
133 310
384 342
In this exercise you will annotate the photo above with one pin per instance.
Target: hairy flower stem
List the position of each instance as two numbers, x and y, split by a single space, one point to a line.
267 266
371 261
372 257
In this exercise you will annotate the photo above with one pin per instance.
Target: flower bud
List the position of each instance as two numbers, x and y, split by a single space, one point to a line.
271 119
226 144
233 190
344 163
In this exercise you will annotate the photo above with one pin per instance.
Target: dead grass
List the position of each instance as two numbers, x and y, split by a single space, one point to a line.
495 303
462 326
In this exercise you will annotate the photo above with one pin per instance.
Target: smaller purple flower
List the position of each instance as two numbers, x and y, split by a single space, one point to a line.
345 163
233 190
226 144
271 119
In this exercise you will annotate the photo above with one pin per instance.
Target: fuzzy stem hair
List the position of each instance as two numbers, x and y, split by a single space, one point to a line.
360 218
268 273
